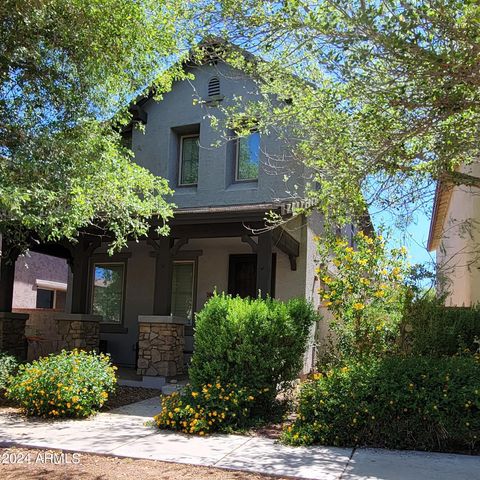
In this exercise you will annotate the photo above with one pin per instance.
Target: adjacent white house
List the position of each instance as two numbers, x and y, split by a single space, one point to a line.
455 237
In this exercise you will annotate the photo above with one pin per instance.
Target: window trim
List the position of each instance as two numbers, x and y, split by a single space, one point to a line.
123 294
194 263
180 160
237 164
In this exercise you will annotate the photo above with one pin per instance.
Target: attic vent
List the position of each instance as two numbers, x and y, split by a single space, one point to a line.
214 87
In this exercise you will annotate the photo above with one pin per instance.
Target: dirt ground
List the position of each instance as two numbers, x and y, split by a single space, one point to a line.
29 464
125 395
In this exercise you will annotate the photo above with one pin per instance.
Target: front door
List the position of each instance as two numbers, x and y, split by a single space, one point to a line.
242 275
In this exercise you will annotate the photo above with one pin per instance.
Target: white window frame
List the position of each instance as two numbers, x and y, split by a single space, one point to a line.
122 296
194 279
180 160
237 163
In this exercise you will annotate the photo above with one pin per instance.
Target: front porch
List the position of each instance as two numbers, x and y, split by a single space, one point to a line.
139 304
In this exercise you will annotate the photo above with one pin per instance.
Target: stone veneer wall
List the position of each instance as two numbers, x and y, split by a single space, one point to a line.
78 333
12 334
41 332
160 349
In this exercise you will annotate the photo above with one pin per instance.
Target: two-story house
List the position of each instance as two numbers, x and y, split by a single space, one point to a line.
145 297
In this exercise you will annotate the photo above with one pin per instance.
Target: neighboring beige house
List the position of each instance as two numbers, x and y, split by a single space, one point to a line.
40 288
40 283
455 237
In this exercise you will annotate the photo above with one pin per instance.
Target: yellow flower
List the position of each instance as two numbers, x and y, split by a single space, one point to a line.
358 306
194 394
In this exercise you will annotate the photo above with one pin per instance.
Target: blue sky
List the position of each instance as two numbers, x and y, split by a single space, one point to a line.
414 237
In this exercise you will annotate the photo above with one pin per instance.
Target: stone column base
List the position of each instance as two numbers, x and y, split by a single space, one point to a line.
12 334
161 340
78 330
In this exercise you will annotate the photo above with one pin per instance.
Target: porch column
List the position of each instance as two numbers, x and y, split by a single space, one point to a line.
162 299
7 279
264 264
80 265
12 325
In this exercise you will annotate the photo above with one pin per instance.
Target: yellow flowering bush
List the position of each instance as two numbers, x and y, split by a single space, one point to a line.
420 403
364 287
211 408
69 384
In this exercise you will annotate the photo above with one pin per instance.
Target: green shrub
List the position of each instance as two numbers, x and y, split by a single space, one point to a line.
398 402
253 343
8 367
433 329
70 384
211 408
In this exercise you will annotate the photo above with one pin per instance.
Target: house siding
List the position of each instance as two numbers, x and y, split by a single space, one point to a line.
458 257
155 148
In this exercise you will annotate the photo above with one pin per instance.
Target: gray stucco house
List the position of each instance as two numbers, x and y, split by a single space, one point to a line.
141 302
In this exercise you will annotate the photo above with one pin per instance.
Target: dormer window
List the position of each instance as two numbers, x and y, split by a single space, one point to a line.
214 87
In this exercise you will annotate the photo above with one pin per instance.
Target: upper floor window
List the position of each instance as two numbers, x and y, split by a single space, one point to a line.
214 87
247 157
189 152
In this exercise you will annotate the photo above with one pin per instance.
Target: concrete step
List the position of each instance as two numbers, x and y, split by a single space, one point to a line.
144 382
169 388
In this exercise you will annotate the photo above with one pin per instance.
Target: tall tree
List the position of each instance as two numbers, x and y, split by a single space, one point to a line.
381 96
68 70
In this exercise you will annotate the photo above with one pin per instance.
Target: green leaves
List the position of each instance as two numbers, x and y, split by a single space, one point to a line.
68 70
418 403
385 95
254 343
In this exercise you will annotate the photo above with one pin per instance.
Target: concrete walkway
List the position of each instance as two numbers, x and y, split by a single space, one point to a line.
123 433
